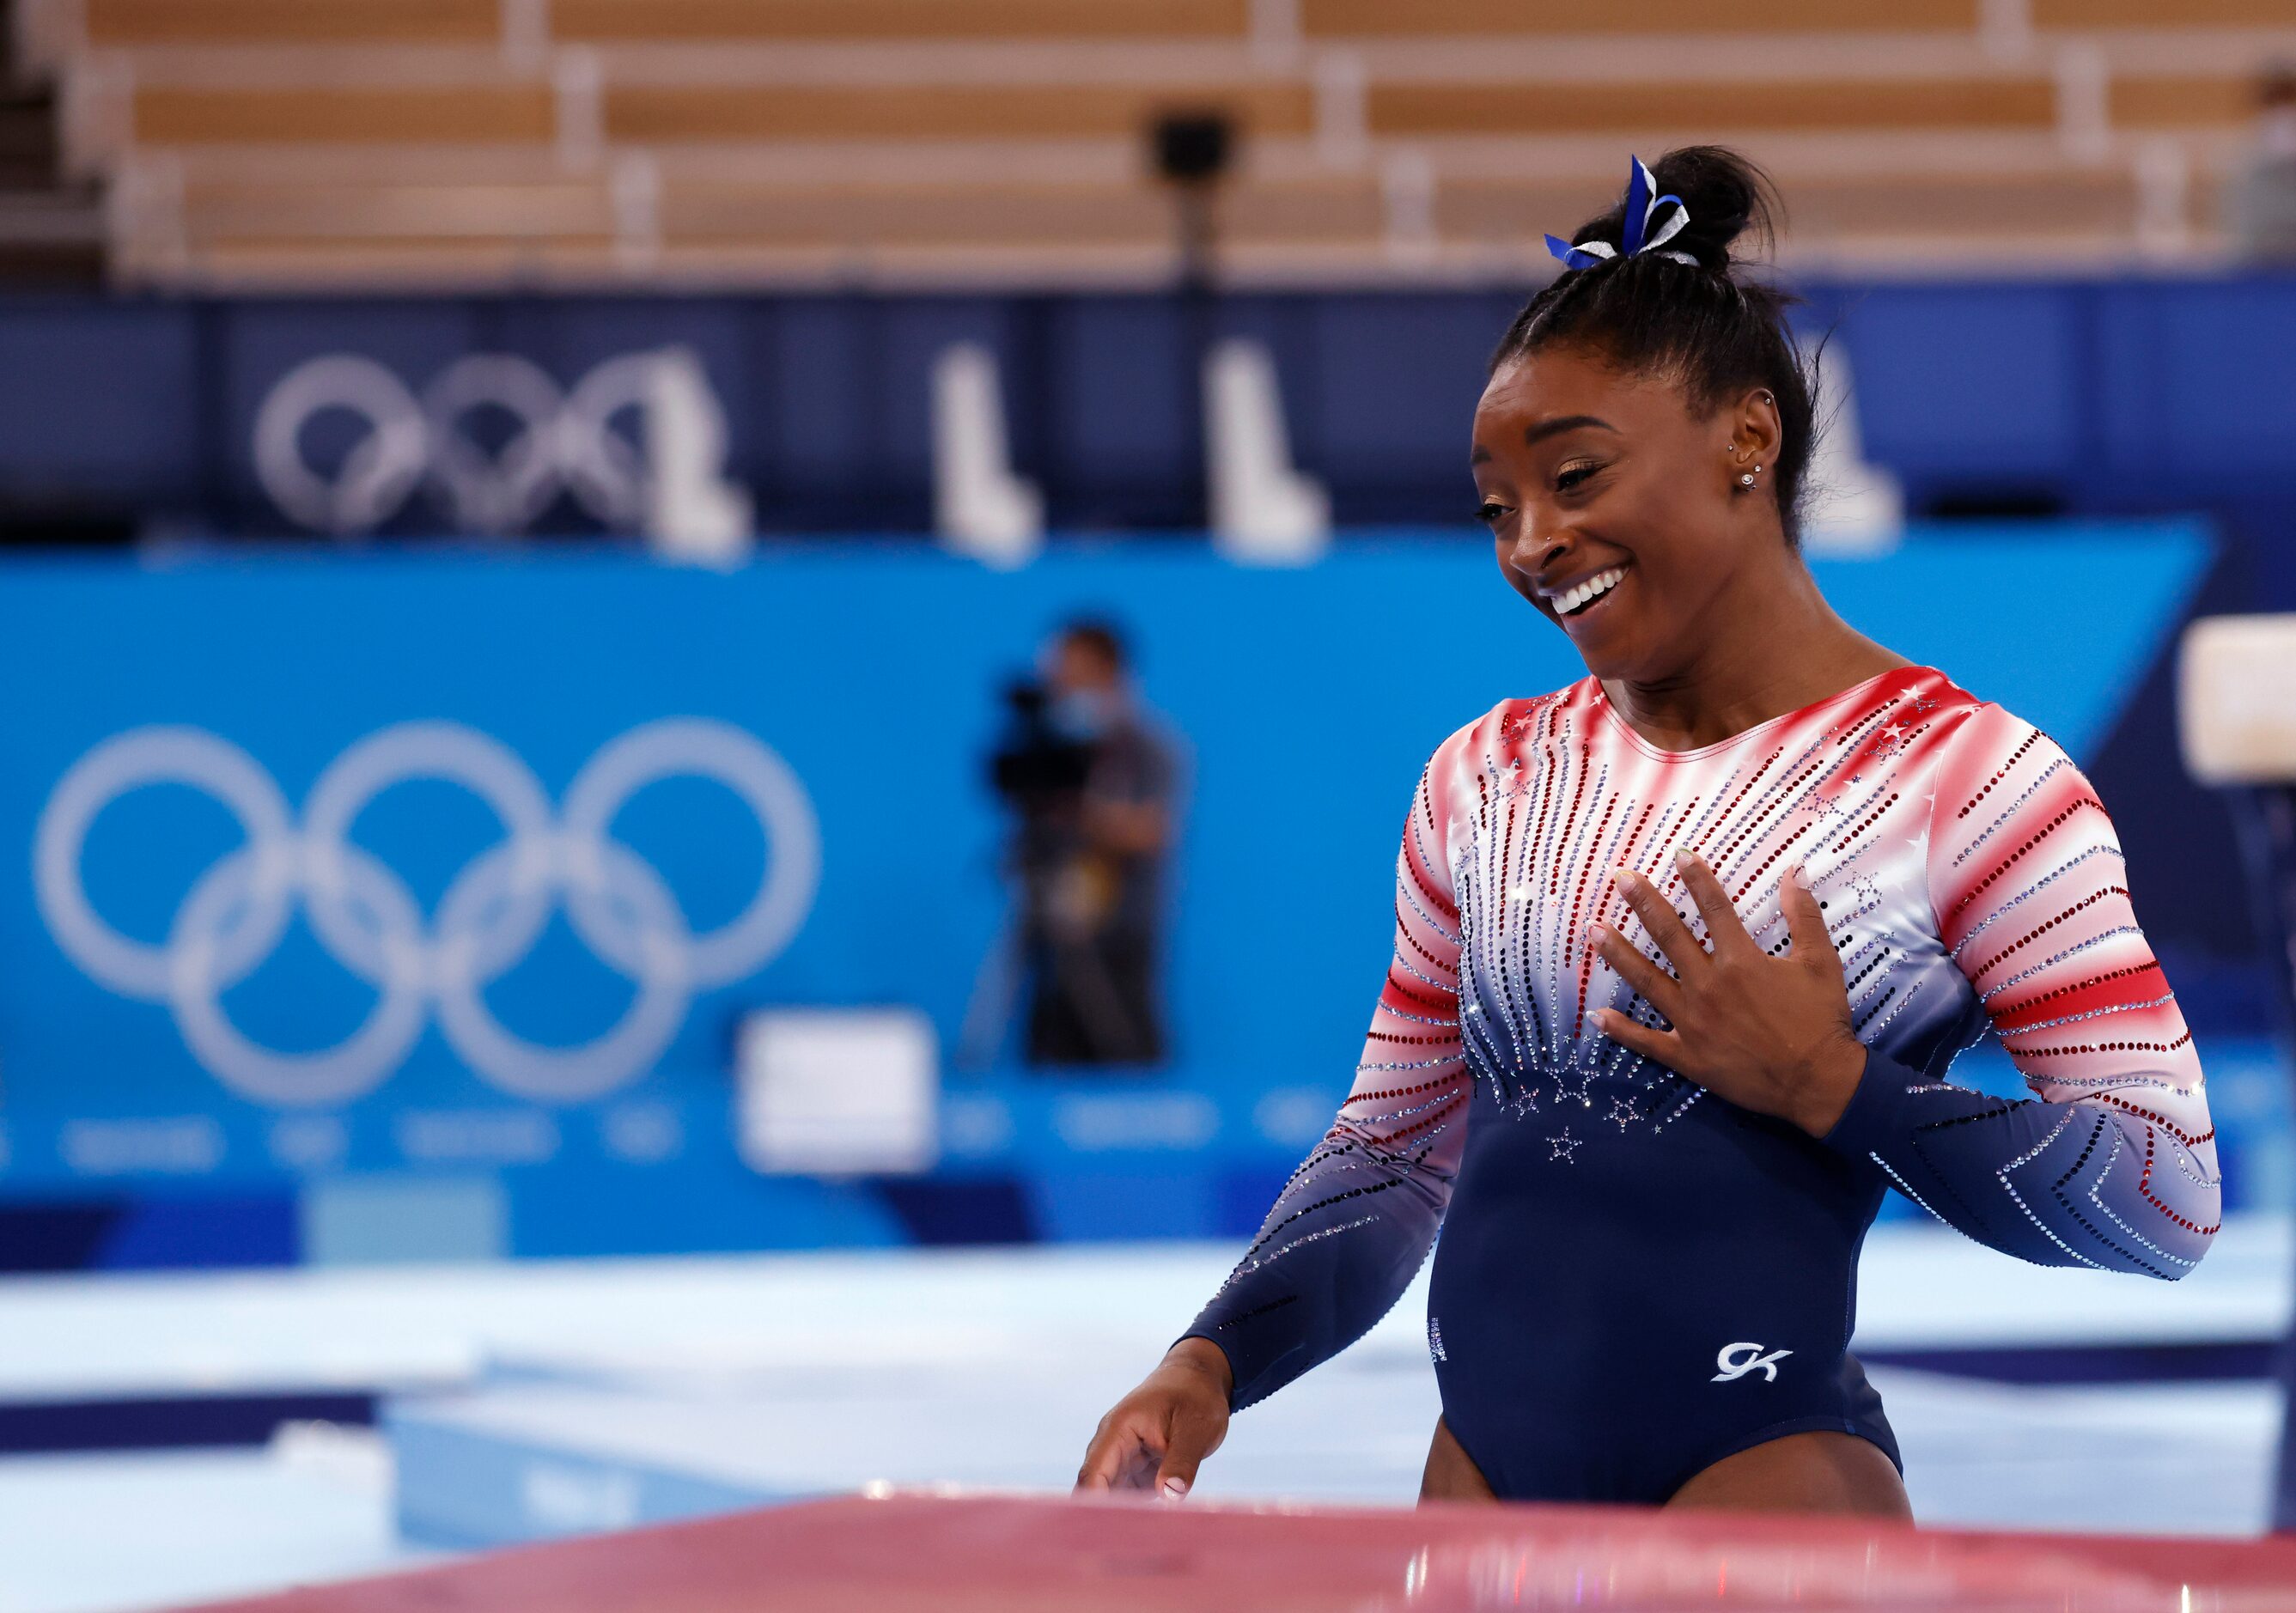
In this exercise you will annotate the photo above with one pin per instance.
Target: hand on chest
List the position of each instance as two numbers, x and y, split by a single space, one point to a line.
1534 869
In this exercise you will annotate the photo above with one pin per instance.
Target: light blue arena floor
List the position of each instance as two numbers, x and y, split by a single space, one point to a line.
570 1390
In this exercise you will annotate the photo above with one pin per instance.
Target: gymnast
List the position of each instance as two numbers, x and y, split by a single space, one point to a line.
1684 952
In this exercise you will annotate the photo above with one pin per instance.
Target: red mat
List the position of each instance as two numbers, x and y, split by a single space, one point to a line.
906 1552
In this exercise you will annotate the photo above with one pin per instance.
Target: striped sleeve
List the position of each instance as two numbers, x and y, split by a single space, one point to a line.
1355 1222
2113 1162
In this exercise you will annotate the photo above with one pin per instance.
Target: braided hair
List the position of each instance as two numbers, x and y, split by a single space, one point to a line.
1710 326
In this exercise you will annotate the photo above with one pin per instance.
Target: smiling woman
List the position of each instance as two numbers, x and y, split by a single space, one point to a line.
1683 954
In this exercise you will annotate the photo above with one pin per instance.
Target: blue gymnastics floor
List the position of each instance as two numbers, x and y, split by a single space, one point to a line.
533 1400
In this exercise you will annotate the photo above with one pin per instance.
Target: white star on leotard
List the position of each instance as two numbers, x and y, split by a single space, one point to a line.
1563 1146
1563 1078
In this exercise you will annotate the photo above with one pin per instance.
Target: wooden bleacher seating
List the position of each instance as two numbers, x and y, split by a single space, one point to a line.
1358 18
2182 100
2160 14
713 20
129 23
397 114
852 219
1729 108
295 140
655 114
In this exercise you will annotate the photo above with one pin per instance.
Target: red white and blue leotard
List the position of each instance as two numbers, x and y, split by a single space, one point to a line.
1637 1279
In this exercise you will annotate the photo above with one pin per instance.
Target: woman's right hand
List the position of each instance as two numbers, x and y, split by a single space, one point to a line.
1154 1437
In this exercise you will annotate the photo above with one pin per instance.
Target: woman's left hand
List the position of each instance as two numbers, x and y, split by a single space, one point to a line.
1770 1034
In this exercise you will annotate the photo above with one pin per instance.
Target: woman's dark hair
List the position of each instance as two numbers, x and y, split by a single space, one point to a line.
1717 330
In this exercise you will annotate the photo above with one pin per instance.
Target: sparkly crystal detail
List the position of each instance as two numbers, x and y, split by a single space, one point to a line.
1968 881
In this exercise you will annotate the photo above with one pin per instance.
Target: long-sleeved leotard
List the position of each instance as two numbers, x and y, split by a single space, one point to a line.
1637 1279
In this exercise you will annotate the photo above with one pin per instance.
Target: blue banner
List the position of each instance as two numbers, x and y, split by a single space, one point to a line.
418 416
460 864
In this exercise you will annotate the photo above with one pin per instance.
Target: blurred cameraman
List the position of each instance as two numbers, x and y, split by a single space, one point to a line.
1093 786
2260 202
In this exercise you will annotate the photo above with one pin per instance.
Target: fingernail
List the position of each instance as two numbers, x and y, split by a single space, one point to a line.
1175 1488
1683 859
1595 935
1801 875
1622 875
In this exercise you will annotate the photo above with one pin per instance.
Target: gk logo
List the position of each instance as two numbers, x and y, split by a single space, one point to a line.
1737 1360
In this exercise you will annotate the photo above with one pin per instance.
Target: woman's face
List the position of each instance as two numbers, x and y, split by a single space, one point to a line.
1615 508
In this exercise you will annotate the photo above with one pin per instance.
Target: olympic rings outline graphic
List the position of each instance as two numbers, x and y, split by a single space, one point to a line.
492 914
563 438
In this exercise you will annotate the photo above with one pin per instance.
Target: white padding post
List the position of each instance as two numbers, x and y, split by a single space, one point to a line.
695 512
2236 700
1263 512
980 508
837 1092
1856 506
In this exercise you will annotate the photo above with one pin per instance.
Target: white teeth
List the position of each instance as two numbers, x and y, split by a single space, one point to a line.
1590 590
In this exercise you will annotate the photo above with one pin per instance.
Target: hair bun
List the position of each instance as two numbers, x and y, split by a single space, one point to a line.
1726 197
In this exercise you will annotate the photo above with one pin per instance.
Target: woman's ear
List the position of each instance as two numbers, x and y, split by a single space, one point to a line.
1756 434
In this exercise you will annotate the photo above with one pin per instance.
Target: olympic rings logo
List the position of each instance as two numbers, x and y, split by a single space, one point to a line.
561 441
490 916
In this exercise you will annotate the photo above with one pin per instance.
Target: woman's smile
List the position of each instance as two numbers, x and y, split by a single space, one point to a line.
1571 601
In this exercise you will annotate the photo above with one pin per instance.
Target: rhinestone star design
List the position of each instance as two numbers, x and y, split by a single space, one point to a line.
1564 1092
1623 1112
1563 1146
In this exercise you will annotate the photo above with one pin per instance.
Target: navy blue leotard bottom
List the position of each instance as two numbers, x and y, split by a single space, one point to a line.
1600 1335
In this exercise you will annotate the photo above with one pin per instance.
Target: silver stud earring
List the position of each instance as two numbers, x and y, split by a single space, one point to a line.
1746 481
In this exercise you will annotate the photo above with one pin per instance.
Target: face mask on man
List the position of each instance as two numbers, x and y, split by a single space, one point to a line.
2276 131
1085 714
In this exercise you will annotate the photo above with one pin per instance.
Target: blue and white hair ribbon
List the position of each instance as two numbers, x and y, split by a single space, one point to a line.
1642 204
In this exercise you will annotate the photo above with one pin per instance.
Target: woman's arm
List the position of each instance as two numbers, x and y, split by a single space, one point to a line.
2113 1162
1355 1221
1352 1226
